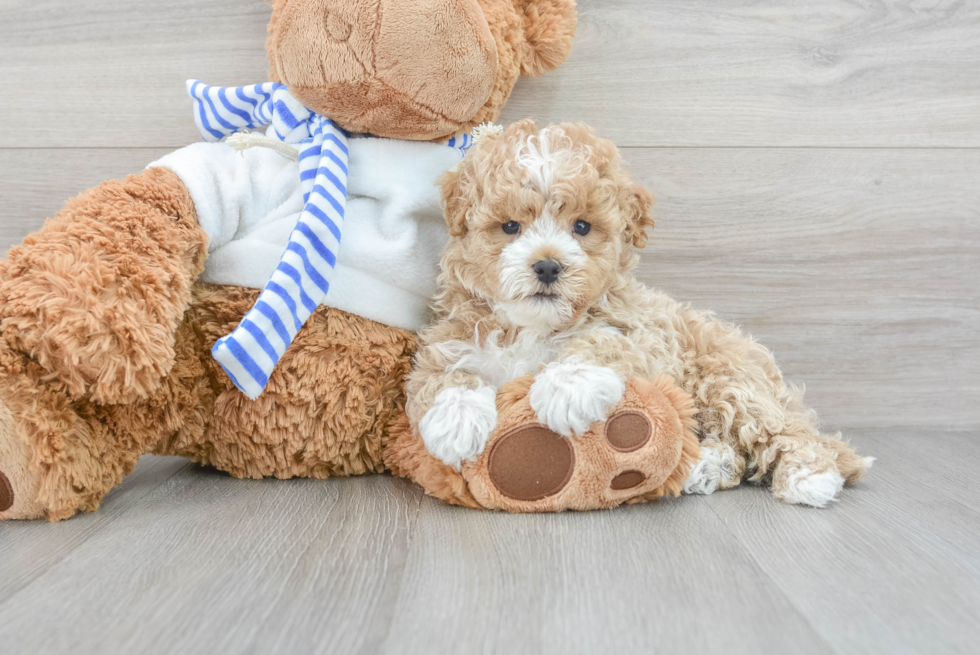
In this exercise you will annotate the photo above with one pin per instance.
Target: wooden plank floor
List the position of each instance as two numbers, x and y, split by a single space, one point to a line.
184 559
817 168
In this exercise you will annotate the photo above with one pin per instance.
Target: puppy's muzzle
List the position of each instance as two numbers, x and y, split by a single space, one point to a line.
547 270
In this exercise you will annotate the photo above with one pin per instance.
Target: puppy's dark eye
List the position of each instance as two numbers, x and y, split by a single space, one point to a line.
511 227
581 228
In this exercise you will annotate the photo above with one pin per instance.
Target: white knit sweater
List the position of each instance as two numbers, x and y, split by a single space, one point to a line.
393 233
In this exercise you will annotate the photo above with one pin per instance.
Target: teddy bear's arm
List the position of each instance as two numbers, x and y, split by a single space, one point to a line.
96 296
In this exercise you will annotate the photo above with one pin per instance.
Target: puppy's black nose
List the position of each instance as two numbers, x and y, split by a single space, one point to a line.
547 270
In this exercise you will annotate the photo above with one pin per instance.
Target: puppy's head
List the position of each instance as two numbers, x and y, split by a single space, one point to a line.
543 222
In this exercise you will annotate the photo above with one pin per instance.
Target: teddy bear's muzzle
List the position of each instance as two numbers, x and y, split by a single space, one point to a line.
417 70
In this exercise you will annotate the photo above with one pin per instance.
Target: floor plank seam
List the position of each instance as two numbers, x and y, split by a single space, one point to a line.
94 533
758 566
250 645
409 539
929 481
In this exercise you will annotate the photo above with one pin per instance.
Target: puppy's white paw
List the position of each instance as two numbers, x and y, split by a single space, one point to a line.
457 426
716 468
814 489
570 396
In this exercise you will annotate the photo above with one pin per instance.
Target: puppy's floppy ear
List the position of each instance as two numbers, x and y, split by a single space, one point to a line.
639 203
549 27
459 185
454 203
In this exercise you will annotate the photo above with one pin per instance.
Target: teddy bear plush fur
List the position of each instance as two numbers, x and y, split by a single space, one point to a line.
106 330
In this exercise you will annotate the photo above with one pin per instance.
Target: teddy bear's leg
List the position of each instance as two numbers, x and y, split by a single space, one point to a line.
644 449
89 309
327 406
61 454
19 487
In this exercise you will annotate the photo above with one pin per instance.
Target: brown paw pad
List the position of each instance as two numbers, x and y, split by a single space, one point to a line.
627 480
6 493
530 463
628 431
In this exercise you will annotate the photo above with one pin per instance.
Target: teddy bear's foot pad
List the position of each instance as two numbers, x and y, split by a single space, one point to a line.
531 463
627 480
643 450
628 431
6 493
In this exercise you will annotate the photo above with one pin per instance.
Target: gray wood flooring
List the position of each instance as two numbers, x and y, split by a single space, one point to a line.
184 559
817 168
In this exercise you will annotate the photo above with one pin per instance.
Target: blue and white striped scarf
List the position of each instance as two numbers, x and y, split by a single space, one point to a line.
302 278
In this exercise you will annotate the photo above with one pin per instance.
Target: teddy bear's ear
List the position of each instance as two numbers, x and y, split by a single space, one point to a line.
270 41
639 203
549 27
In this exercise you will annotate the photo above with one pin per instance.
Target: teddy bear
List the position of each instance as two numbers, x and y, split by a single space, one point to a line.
125 322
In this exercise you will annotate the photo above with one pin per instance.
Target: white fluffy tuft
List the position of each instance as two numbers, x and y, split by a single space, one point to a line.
814 489
715 468
485 131
458 425
542 155
570 396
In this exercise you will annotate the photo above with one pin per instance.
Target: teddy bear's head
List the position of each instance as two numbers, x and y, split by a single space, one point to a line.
414 69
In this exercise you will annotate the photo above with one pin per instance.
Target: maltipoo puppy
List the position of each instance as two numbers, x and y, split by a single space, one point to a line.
538 279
